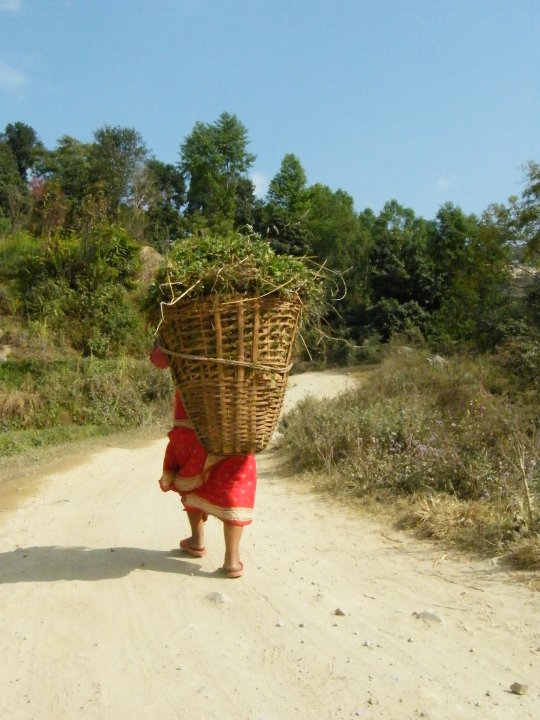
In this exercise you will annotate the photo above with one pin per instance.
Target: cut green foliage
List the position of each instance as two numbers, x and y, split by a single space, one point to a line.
230 264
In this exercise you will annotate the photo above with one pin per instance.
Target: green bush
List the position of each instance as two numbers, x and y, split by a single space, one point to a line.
117 393
521 356
104 321
23 441
15 251
110 256
79 289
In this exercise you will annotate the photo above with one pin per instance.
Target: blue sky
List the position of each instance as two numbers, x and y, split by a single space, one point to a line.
424 101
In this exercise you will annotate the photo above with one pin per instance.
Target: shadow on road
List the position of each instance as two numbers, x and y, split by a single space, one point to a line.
52 563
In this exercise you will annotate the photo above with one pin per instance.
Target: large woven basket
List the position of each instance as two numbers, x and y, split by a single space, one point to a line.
230 358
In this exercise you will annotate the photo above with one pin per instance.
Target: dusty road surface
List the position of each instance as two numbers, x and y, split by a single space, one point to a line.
102 617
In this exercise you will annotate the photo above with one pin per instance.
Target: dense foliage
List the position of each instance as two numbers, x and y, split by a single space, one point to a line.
457 280
76 292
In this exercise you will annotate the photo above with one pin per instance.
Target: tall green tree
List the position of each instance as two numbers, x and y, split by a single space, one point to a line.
163 213
448 240
519 219
399 264
25 145
214 159
287 190
69 166
338 240
333 226
247 206
283 218
519 223
478 303
528 218
13 189
401 281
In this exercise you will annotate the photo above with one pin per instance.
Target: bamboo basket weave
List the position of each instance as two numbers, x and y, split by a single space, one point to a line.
230 358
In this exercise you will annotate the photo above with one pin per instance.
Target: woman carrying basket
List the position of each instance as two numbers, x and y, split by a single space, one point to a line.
207 484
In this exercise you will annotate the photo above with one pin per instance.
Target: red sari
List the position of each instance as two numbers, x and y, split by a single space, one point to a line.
223 486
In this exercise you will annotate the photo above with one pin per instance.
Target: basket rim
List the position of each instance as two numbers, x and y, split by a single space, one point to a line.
233 298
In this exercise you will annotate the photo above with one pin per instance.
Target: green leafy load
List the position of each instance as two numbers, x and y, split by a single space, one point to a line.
230 264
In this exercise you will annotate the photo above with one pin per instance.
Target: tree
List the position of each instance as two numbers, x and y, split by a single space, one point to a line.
400 272
163 219
529 211
25 146
13 190
247 206
333 227
169 183
399 265
477 304
282 220
520 218
69 166
214 159
116 158
448 241
287 189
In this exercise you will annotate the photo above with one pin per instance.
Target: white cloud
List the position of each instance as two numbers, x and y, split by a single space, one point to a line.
11 5
444 182
11 78
261 183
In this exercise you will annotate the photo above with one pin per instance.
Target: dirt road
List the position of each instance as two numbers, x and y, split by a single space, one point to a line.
101 617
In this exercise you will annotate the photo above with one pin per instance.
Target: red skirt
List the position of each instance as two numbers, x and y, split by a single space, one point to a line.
222 486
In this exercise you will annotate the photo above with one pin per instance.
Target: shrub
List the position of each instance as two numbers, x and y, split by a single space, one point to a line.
415 427
521 356
119 393
104 321
15 251
18 407
80 289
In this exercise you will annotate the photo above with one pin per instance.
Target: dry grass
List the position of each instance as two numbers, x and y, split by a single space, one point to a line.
440 450
19 406
525 555
473 525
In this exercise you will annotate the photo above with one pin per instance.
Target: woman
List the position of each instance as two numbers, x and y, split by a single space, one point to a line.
222 486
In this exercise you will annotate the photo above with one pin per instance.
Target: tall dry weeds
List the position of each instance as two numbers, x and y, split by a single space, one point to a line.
19 407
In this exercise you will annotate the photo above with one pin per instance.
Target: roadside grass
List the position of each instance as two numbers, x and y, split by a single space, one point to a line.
44 403
446 448
18 442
